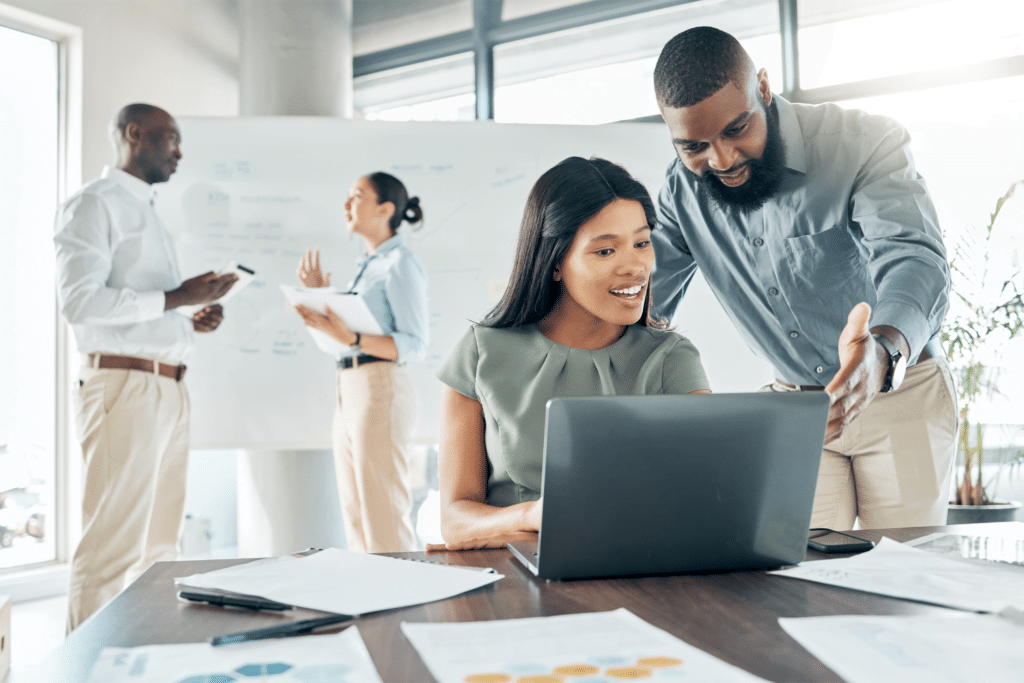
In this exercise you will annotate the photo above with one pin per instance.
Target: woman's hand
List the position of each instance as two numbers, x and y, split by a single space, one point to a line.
499 541
309 271
330 324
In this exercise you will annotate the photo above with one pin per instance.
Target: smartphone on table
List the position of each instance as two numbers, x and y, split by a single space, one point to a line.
828 541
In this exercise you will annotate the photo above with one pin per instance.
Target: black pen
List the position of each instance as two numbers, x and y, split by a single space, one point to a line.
293 628
253 603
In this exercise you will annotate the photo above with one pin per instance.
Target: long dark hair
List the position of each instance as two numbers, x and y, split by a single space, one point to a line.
563 199
390 189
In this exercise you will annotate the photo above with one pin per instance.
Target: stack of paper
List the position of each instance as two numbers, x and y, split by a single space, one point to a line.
900 571
344 582
601 646
958 647
336 657
925 649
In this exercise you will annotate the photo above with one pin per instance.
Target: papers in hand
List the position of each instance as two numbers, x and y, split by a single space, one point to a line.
333 657
601 646
344 582
349 307
245 276
900 571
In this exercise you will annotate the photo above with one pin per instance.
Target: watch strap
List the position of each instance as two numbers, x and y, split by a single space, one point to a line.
893 354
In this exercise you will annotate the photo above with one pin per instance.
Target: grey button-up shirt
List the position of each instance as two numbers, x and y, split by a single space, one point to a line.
851 222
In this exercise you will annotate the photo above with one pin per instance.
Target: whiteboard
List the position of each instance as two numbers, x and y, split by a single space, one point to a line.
262 190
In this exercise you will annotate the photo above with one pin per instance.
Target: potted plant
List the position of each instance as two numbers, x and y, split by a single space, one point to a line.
986 311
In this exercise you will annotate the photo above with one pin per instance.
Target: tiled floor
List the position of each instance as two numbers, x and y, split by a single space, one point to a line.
37 627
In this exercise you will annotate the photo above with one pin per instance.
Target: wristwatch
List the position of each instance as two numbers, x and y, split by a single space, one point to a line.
355 345
897 365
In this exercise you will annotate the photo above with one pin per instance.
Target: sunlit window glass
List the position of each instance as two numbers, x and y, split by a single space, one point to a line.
437 90
28 195
842 42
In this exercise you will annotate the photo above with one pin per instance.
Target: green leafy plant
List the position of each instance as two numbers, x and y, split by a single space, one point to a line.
986 310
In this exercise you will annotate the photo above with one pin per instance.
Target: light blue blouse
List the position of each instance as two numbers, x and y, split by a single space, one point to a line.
393 283
513 372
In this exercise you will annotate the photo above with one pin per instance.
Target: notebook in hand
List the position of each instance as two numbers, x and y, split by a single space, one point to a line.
667 484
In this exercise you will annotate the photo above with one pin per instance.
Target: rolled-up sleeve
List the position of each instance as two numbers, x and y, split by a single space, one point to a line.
900 231
406 290
84 240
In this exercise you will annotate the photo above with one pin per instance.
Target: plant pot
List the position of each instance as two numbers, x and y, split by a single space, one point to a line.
999 511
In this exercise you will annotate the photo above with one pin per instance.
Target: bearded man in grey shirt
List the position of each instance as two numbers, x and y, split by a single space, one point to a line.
818 237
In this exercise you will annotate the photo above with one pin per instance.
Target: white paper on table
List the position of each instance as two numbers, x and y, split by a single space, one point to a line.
334 657
899 571
344 582
349 307
244 278
915 649
973 546
618 645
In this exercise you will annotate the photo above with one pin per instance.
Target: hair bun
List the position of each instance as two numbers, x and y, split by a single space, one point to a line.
413 213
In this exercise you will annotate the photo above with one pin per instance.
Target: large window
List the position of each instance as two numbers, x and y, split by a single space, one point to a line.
29 177
604 72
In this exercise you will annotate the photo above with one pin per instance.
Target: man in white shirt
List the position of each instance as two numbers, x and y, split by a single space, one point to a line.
118 286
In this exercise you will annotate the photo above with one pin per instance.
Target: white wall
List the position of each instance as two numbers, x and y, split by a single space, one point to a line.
181 55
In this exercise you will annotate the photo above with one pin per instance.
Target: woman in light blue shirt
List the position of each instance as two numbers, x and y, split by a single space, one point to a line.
376 409
574 321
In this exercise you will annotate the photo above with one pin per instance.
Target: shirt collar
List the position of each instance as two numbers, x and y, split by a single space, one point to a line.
138 187
792 136
388 245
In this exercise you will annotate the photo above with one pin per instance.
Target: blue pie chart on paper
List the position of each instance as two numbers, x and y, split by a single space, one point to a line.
263 669
322 673
209 678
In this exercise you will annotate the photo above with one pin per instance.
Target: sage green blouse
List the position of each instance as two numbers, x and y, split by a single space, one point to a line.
513 372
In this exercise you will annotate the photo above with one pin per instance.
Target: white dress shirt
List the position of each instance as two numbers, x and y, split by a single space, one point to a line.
115 260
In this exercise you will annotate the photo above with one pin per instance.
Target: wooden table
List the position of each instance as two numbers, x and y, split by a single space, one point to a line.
732 615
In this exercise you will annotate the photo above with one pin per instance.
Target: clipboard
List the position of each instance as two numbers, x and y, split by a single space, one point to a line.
349 307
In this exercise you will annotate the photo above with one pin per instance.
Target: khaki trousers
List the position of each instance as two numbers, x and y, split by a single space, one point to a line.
892 465
373 426
134 431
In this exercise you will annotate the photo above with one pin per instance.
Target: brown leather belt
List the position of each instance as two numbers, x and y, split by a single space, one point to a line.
109 362
362 359
931 350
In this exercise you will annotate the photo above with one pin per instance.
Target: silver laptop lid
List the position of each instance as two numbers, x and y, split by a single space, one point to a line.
661 484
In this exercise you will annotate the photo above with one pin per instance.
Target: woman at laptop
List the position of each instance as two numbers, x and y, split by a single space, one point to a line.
574 321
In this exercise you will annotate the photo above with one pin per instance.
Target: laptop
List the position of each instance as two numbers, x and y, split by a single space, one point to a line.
669 484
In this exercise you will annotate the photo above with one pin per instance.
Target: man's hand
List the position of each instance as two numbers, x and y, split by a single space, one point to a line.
309 270
208 319
201 289
863 364
329 324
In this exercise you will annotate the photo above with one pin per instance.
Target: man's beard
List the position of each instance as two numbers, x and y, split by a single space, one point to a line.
766 173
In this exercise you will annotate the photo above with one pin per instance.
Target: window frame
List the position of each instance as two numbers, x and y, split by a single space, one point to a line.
44 579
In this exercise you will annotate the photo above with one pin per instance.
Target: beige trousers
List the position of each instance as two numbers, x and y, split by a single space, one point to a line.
373 426
892 465
133 427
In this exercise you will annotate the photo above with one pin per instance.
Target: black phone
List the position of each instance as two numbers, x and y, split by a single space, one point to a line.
828 541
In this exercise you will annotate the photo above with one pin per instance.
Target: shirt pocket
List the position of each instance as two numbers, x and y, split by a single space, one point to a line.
824 260
826 278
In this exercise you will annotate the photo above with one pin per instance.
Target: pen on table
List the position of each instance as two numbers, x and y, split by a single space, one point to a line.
293 628
253 603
